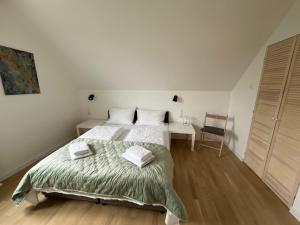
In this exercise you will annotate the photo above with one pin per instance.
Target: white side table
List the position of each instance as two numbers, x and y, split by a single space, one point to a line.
88 124
179 128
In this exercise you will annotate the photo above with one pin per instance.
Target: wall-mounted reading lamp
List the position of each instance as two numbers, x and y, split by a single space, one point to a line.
175 98
91 97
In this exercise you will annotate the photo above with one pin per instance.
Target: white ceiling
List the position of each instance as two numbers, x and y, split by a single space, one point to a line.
156 44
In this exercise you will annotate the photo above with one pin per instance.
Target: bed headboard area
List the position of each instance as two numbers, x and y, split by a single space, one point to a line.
166 119
193 104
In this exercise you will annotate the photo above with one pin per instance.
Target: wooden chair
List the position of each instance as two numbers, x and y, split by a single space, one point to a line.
214 130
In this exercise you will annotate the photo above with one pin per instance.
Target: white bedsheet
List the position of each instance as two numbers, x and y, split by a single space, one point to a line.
152 134
157 134
103 133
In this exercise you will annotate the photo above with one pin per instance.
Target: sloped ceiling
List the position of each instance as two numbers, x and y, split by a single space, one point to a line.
155 44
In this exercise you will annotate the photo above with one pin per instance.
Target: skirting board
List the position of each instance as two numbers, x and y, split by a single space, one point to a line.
238 155
39 157
296 213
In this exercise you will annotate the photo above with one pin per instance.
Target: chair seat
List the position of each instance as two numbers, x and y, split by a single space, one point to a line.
213 130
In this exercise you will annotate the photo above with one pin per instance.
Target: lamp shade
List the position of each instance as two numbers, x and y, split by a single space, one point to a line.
175 98
91 97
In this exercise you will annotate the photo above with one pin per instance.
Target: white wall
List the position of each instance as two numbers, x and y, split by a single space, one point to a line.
243 95
295 210
160 45
242 100
194 103
32 125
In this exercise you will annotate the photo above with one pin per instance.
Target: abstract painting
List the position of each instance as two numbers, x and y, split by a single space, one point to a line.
17 71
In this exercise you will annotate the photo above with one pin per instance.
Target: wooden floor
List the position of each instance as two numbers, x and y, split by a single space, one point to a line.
215 192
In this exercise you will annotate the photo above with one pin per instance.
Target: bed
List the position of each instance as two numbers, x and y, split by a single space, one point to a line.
105 176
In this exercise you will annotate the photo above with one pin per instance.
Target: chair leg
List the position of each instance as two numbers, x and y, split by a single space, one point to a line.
201 139
221 147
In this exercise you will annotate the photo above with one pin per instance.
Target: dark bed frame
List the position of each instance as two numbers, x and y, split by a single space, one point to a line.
106 202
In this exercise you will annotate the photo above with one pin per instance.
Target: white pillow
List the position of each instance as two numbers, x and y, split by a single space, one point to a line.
121 116
150 117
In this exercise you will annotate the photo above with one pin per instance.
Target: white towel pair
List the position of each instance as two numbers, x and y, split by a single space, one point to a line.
79 150
138 155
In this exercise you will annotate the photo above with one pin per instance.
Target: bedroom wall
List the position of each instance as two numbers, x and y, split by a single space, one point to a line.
243 95
295 210
156 45
32 125
193 103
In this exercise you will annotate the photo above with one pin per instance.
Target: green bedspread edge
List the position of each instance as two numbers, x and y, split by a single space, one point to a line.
107 174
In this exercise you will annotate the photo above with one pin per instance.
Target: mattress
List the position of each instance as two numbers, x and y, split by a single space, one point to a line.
149 134
103 133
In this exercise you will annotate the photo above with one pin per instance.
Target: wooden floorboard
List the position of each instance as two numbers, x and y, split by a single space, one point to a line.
215 191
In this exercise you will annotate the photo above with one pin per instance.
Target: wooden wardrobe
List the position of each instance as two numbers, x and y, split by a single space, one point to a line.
273 150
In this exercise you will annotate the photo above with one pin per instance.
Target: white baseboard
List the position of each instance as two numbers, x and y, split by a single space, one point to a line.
237 154
35 159
295 212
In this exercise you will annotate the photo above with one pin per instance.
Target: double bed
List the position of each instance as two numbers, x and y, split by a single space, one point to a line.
106 176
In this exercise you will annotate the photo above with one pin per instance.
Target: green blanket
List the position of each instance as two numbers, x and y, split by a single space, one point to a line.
107 174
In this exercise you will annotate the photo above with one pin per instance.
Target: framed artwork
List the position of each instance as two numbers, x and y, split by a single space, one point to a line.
18 72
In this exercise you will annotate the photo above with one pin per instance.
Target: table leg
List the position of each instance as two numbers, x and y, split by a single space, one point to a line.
193 142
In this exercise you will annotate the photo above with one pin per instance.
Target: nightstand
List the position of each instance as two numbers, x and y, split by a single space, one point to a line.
87 125
179 128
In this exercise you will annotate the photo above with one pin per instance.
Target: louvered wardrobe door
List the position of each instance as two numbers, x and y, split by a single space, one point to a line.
274 75
283 166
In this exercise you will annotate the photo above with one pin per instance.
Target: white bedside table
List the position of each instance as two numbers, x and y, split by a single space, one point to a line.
179 128
88 124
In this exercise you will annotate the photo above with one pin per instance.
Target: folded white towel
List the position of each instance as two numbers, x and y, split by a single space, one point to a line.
79 150
138 163
139 153
79 147
74 157
83 152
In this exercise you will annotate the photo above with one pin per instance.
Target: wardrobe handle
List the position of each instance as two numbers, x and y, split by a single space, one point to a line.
274 118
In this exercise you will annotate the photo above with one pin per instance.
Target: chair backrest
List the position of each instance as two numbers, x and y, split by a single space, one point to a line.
216 117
